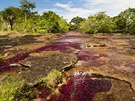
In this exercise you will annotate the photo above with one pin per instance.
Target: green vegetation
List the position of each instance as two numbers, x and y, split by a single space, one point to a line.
29 92
26 7
25 19
9 15
99 23
52 79
50 22
9 83
14 88
25 93
102 23
125 21
75 23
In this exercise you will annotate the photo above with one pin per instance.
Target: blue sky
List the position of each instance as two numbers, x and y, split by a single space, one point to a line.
71 8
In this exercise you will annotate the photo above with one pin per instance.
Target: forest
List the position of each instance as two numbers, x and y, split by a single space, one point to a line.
26 19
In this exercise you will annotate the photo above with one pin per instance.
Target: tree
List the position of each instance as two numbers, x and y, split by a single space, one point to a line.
105 22
125 21
9 15
99 23
75 23
90 25
27 6
50 22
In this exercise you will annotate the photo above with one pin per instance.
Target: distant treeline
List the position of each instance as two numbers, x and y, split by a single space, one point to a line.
26 20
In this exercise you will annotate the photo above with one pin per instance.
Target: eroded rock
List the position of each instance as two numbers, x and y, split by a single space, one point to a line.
42 63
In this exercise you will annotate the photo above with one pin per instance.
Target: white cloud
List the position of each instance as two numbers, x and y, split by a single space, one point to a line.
111 7
66 6
113 2
69 11
89 7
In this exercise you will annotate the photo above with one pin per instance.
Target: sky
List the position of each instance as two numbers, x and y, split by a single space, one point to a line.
72 8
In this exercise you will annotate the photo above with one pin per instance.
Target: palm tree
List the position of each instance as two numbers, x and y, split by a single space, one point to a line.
9 16
27 6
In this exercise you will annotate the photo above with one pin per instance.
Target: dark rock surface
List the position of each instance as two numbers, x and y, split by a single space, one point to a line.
42 63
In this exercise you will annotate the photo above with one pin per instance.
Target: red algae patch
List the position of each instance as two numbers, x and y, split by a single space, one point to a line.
61 46
44 92
82 87
5 65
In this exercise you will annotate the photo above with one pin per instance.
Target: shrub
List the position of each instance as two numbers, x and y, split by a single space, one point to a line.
52 79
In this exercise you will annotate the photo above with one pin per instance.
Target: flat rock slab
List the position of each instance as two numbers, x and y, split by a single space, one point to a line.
40 64
120 91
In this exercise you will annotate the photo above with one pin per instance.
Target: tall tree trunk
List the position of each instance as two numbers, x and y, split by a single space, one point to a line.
11 24
25 21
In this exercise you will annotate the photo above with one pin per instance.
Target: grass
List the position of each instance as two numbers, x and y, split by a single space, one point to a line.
29 92
52 79
9 84
18 33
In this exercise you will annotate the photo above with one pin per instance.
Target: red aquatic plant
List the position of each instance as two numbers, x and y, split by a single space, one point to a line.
62 46
83 88
59 46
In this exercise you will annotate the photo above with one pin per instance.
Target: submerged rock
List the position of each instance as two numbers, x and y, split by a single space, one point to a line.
83 87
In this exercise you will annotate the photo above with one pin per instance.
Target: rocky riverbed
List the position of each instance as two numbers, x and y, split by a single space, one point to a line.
93 67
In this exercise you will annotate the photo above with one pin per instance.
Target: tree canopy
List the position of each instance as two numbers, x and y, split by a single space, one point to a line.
51 22
10 15
125 21
24 18
99 23
27 6
75 23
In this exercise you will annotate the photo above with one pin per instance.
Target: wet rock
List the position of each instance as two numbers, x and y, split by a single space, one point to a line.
42 63
82 87
120 91
96 45
92 45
